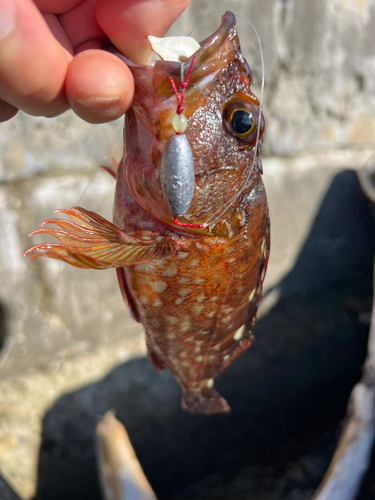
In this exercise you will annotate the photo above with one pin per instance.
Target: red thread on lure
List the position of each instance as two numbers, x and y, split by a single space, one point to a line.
199 226
180 98
180 107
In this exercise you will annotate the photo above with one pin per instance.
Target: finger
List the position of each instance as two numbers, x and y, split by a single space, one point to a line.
128 23
33 64
99 86
81 26
58 32
7 111
56 6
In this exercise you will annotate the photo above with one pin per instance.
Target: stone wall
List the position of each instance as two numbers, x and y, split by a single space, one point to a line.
60 327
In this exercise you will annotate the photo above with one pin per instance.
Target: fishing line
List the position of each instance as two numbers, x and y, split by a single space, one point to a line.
211 221
204 22
97 170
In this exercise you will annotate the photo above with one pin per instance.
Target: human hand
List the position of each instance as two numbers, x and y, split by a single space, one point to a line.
51 57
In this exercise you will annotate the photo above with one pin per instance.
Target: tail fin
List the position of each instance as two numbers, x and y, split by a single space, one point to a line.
206 401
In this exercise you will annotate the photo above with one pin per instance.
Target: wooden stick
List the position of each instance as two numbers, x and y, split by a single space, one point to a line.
121 475
353 452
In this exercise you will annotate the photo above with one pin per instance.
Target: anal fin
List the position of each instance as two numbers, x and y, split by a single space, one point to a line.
156 362
88 240
126 295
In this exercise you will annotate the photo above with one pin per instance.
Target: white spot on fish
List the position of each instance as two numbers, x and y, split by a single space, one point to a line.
183 281
170 271
147 235
144 268
239 333
210 382
189 339
158 286
183 354
200 246
226 319
199 281
183 292
179 301
197 309
143 300
158 303
211 314
199 359
172 320
212 299
226 358
185 326
171 336
197 349
203 332
227 310
195 262
201 297
182 255
252 295
232 259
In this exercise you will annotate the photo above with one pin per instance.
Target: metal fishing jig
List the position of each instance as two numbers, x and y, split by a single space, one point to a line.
177 164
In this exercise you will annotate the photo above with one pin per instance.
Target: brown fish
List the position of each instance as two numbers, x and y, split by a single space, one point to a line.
195 290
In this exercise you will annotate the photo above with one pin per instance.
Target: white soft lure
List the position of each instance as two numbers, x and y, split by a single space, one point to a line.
174 48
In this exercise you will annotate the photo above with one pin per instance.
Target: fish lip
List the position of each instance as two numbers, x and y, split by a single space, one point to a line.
208 47
212 43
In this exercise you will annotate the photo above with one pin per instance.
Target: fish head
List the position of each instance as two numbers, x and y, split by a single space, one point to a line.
224 125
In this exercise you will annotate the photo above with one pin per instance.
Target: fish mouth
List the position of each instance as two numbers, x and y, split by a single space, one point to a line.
214 54
152 82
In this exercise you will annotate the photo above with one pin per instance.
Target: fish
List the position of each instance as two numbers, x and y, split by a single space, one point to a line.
194 281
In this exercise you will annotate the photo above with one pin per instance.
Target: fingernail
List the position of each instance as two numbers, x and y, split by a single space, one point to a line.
100 104
7 18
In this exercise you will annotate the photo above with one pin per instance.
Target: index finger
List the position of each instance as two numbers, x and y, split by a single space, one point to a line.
127 23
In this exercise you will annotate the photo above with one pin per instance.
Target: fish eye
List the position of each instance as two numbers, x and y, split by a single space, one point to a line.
242 122
241 119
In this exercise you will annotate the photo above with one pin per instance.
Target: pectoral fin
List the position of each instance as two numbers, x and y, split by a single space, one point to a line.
88 240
